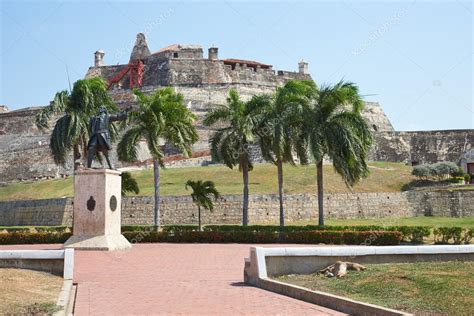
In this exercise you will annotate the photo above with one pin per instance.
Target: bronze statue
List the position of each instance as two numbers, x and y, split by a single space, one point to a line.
100 140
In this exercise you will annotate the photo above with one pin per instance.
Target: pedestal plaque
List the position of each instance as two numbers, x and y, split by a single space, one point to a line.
97 211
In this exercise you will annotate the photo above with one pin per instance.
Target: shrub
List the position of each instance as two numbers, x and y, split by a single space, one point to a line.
33 238
459 173
422 171
414 234
468 234
179 228
303 237
444 168
443 235
467 177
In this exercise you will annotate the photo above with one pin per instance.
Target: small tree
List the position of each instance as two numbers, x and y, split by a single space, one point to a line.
422 171
443 169
202 195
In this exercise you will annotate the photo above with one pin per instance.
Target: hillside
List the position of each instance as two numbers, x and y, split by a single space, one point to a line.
384 177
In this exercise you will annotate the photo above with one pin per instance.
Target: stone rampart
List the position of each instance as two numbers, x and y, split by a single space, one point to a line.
262 208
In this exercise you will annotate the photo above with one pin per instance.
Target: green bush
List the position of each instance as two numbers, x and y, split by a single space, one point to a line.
468 235
467 177
17 238
444 168
303 237
33 229
443 235
422 171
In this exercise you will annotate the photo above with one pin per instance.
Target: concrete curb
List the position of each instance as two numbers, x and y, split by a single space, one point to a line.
64 298
328 300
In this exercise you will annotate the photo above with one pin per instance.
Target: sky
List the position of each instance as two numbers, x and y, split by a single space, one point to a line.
413 57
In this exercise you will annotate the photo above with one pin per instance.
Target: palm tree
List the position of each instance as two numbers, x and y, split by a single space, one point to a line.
280 126
71 130
230 142
161 116
334 127
202 195
129 183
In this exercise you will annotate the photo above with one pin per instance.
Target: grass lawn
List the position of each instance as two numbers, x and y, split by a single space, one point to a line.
467 222
384 177
28 292
421 288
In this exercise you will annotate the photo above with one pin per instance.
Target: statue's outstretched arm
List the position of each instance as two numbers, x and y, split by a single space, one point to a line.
122 116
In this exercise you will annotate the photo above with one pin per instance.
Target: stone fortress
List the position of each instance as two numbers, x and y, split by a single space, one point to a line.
204 82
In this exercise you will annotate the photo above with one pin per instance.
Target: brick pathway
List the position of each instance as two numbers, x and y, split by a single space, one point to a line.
184 279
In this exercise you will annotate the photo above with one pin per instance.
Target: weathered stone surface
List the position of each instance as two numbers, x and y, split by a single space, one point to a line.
387 207
205 82
422 146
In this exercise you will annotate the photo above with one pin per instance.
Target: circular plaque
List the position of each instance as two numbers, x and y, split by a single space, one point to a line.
113 203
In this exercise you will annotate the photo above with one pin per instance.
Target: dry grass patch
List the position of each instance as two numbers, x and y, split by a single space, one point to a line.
435 288
28 292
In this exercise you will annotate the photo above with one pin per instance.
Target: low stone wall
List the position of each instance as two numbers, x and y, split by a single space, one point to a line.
262 208
47 212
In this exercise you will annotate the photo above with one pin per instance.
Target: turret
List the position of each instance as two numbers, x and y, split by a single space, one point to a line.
303 67
99 58
213 53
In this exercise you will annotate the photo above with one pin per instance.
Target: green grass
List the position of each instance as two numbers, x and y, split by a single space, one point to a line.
466 222
384 177
421 288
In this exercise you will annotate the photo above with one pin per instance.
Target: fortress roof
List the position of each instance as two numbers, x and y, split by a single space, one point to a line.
249 63
177 47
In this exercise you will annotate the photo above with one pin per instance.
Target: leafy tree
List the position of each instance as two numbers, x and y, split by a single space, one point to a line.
202 195
334 127
129 184
443 169
162 116
422 171
279 128
230 143
71 130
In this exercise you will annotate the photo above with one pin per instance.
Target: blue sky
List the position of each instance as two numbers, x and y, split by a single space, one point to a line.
414 57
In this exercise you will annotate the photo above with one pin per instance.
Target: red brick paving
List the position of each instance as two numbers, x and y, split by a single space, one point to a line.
203 279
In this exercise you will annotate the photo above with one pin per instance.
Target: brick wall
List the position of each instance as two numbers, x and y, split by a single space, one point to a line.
262 208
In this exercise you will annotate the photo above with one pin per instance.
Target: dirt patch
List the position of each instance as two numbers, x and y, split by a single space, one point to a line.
28 292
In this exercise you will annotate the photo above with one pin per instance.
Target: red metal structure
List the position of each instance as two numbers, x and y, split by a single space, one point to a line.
135 68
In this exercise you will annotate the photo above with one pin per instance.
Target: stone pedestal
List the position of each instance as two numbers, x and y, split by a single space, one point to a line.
97 211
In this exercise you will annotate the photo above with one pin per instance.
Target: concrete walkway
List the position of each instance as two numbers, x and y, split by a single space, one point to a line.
186 279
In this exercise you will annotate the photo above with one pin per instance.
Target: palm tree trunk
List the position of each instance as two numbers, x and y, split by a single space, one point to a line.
245 210
199 217
319 172
156 175
280 191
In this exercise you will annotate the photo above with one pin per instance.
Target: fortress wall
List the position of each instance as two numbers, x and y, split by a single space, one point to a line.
262 208
423 146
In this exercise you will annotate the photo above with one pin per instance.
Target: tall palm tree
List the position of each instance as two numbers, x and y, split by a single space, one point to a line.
161 117
75 108
334 127
280 126
230 142
203 192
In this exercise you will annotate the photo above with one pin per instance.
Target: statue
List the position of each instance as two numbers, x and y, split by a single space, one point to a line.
100 140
